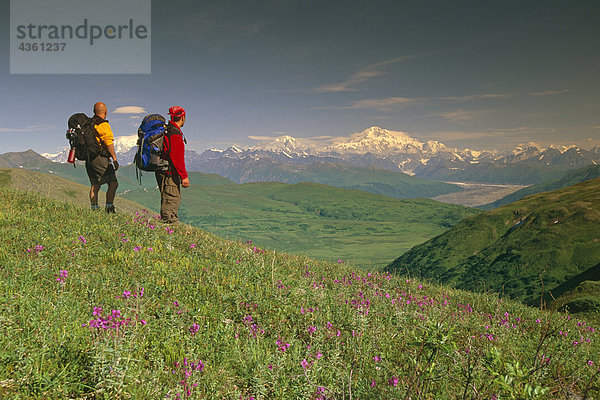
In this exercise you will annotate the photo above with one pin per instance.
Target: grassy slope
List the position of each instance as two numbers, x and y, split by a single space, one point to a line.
325 222
554 235
57 188
372 335
572 178
580 293
318 220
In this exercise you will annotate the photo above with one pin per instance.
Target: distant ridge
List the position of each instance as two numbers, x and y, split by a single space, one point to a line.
571 178
385 149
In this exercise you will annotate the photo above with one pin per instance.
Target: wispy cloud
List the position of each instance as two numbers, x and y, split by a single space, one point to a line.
462 115
263 138
365 74
129 110
476 97
550 92
384 104
514 135
28 129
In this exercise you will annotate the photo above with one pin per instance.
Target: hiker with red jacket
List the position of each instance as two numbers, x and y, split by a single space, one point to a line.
170 180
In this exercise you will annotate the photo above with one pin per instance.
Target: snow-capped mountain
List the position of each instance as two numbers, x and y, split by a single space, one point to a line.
378 141
384 149
285 143
123 144
398 151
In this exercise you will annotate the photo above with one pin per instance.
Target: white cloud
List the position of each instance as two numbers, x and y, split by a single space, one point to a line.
476 97
130 110
550 92
261 138
461 115
27 129
506 136
385 104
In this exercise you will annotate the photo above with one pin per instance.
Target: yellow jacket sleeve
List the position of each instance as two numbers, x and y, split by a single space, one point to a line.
105 135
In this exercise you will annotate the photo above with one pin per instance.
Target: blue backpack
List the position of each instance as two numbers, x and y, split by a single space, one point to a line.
151 134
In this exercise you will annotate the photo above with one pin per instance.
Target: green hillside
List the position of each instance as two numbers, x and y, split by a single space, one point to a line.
97 306
549 237
322 221
572 178
580 293
57 188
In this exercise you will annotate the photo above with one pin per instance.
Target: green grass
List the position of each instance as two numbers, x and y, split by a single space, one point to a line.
322 221
254 318
57 188
520 249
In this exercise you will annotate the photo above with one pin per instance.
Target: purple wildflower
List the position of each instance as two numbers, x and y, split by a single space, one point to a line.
194 329
304 364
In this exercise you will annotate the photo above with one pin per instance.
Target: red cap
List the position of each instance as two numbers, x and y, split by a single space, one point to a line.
176 112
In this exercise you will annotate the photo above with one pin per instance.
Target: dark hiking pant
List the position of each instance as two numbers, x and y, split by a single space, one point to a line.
170 196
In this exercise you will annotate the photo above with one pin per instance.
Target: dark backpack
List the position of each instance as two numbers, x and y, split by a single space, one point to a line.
151 134
82 137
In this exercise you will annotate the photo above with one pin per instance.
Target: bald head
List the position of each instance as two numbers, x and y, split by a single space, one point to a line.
100 109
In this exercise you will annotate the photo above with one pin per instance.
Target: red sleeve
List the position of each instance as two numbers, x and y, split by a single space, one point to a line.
176 153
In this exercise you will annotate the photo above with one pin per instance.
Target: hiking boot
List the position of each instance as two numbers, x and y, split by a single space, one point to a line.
110 209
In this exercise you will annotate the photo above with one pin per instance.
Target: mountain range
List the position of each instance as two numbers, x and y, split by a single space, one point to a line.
380 148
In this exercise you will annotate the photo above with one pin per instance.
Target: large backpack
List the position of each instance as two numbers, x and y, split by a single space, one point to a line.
150 146
82 137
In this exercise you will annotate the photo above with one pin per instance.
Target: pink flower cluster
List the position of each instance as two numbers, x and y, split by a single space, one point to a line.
113 321
37 249
185 370
61 277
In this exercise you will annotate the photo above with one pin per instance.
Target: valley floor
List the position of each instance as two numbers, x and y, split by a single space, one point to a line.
477 194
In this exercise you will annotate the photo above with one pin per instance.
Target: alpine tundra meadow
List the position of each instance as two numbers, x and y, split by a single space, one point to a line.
115 307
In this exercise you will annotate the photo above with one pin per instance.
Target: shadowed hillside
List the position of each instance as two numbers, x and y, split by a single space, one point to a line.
549 237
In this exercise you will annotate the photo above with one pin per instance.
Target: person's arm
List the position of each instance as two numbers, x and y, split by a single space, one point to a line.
177 151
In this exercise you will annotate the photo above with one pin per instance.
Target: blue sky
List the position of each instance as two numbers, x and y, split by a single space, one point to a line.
477 74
